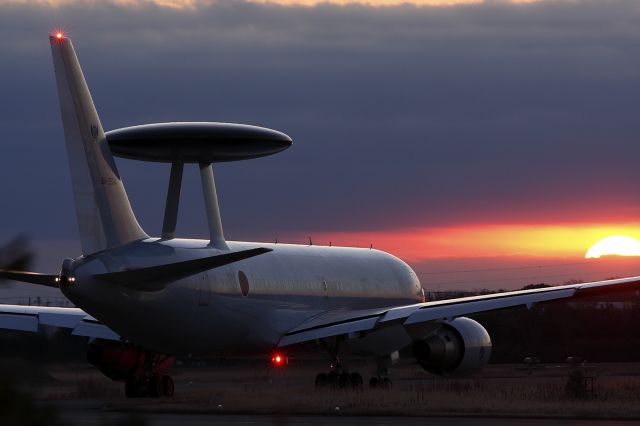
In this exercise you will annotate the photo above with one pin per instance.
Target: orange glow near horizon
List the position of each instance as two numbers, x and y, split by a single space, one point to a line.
372 3
194 4
170 4
384 3
479 241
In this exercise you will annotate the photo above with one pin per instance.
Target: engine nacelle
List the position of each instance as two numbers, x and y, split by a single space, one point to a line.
119 361
457 347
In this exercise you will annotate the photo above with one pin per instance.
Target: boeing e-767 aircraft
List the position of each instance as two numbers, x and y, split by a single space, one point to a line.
143 300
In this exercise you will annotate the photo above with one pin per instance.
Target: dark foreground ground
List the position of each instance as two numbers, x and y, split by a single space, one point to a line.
84 414
251 393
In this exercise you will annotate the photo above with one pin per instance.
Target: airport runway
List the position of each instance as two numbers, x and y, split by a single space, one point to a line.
88 413
245 420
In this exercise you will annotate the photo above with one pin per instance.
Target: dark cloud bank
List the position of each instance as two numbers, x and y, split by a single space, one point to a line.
401 116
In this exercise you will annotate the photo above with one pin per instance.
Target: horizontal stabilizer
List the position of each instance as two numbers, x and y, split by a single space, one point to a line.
154 278
30 277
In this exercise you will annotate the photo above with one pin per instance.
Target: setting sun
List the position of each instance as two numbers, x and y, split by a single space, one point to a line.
615 245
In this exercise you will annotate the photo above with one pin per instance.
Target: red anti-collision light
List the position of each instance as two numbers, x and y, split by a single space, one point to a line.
58 35
278 360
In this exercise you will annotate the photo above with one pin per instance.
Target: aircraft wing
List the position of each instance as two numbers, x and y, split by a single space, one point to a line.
29 318
337 323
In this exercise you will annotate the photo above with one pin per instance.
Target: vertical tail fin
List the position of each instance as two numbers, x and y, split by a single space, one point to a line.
104 214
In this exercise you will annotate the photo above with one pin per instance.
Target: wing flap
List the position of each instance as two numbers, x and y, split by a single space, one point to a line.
30 318
59 319
19 322
95 330
327 331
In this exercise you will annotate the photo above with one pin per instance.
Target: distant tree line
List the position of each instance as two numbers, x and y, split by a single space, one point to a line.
604 328
595 331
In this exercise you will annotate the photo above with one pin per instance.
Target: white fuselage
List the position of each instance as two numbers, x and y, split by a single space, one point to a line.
208 313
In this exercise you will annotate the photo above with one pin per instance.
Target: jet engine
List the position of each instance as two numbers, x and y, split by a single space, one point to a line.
457 347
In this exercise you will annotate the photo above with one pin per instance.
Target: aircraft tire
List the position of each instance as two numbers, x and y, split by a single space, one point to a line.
344 380
334 380
356 381
380 383
322 381
155 387
132 389
168 387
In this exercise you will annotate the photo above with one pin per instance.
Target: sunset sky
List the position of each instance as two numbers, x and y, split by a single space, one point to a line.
196 4
497 137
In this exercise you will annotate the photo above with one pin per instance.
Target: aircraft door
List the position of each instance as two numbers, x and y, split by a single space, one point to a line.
204 289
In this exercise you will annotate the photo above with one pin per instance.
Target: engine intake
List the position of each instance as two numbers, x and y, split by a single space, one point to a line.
458 347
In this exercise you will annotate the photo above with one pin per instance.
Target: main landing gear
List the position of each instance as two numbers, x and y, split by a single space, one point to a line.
381 380
154 386
377 382
339 379
145 372
150 380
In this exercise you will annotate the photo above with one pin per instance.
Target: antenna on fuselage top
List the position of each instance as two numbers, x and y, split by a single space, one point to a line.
214 219
211 205
173 201
199 143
